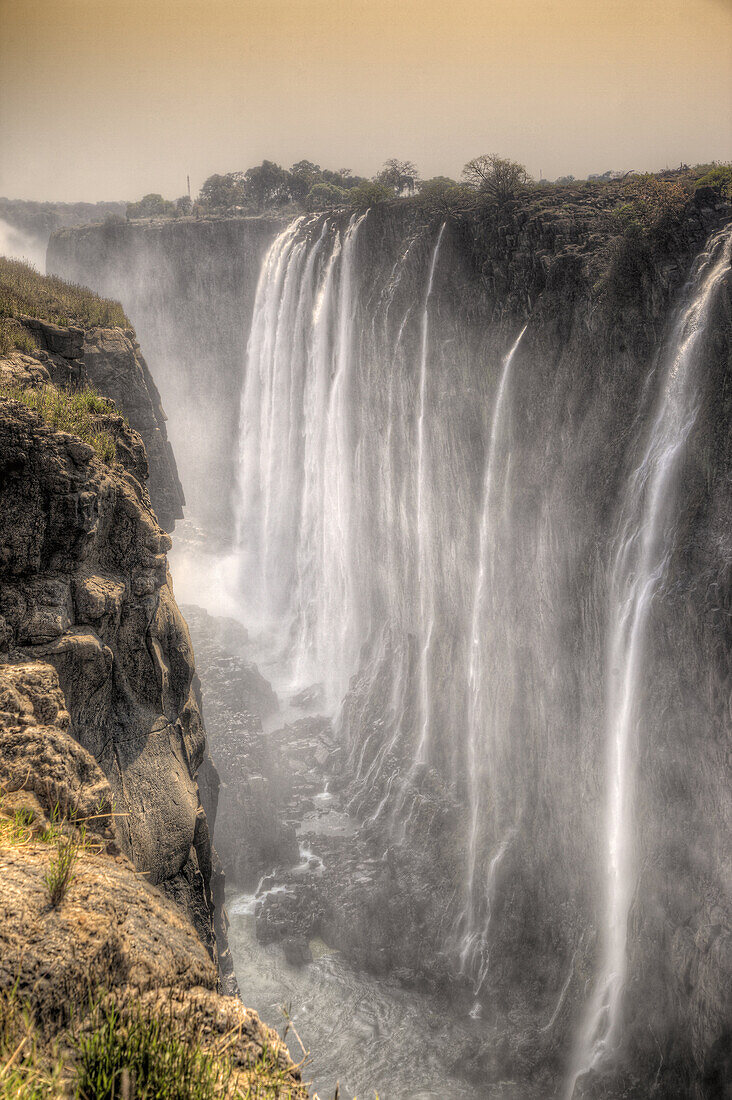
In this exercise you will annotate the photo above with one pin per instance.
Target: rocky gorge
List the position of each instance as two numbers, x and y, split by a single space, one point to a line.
464 481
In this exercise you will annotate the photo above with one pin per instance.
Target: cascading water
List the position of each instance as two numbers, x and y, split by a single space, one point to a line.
424 556
644 547
295 473
483 683
308 506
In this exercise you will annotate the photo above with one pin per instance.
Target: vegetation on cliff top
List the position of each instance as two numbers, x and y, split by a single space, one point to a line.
25 292
76 412
486 179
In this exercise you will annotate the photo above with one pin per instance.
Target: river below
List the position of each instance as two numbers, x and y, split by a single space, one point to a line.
369 1035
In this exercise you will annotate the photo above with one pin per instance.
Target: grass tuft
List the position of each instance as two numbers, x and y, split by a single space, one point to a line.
60 873
134 1053
24 1075
64 411
13 337
23 290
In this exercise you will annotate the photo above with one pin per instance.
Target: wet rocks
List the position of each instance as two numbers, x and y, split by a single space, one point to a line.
309 698
297 950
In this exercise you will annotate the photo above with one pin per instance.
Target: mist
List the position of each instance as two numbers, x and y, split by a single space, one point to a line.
18 245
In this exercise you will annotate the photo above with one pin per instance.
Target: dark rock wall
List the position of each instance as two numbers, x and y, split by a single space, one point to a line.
109 359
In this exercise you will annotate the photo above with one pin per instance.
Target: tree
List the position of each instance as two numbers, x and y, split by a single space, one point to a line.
304 175
401 175
719 177
150 206
369 193
325 196
496 177
442 194
223 192
267 185
183 205
650 202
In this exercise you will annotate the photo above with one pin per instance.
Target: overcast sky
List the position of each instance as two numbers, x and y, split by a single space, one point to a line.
109 99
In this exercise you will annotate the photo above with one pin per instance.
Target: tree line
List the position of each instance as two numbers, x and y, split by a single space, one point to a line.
268 186
488 179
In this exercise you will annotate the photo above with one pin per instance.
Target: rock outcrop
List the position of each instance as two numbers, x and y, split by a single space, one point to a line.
112 934
84 587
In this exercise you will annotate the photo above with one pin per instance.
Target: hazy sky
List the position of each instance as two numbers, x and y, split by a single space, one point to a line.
108 99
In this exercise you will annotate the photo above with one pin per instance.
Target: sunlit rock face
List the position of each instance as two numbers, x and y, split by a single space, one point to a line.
85 588
451 506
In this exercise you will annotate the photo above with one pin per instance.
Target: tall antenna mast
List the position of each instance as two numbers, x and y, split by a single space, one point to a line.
188 178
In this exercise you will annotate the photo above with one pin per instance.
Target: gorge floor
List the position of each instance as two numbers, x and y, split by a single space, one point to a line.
370 1034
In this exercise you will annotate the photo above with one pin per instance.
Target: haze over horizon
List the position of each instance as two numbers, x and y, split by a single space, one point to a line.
104 99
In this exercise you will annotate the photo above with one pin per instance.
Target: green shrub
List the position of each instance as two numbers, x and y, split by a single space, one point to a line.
76 413
23 290
720 178
649 202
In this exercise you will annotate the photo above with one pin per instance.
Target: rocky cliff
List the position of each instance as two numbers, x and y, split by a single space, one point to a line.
108 954
102 744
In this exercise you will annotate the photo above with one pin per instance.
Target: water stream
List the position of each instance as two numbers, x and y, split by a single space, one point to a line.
644 547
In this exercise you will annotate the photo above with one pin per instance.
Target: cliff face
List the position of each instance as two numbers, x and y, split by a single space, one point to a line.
103 758
110 360
111 934
85 588
473 520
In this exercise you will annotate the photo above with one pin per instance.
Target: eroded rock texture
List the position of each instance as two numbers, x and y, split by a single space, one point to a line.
84 587
113 933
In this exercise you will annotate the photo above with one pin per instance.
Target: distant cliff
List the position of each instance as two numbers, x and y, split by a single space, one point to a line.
189 287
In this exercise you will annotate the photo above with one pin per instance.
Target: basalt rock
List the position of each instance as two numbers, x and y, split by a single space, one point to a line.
84 588
585 387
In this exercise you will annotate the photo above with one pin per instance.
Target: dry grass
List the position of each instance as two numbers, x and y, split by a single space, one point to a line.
77 413
24 291
14 337
129 1052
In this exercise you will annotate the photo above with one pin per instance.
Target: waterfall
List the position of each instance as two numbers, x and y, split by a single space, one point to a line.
493 536
295 531
424 555
333 476
644 547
